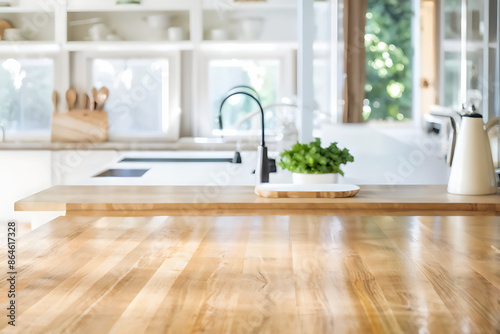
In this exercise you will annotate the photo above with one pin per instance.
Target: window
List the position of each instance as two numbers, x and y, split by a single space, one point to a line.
144 95
322 87
26 87
388 53
269 75
263 75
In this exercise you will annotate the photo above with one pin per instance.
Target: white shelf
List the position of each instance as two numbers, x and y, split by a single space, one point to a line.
131 8
28 47
247 45
228 6
22 10
128 46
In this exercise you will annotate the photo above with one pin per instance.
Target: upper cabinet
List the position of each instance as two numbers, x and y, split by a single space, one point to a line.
89 25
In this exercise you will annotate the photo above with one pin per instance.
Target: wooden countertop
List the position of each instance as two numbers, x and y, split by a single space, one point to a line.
141 201
273 274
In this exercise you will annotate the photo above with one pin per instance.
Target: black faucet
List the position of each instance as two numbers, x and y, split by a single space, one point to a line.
232 90
262 171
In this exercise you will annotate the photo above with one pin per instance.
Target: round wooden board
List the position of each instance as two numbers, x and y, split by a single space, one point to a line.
306 190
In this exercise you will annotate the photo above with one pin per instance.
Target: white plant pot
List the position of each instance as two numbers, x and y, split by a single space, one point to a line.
299 178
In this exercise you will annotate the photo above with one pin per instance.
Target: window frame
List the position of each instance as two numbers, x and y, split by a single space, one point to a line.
83 68
202 118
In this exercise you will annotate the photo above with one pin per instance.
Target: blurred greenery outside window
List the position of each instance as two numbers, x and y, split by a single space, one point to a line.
26 87
388 47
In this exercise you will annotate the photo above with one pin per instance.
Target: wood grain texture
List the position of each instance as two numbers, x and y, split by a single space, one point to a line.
267 191
271 274
144 201
80 126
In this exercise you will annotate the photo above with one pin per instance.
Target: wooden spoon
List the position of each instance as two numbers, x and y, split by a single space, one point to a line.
92 96
82 101
71 99
87 101
102 96
55 100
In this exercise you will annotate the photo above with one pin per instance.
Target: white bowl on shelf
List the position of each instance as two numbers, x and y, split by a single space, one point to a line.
13 35
176 34
251 27
219 34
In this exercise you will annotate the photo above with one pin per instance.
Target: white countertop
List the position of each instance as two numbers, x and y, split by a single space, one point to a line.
183 144
379 159
186 173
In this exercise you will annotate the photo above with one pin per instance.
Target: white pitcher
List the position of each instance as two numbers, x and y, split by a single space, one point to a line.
472 170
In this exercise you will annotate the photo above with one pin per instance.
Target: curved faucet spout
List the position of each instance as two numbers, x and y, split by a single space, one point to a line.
263 143
262 171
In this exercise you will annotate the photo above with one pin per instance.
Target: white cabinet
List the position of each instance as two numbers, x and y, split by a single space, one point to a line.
23 173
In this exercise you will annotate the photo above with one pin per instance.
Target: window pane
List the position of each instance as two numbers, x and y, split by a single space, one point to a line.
389 60
26 87
452 68
321 88
263 75
138 94
452 79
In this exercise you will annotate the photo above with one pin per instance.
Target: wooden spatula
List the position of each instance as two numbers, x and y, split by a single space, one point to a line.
83 101
55 100
92 96
102 96
71 99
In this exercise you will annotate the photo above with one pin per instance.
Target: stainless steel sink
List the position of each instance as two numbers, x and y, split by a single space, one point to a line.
176 160
122 173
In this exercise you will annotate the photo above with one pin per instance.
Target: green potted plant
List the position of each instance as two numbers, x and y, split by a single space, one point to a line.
313 164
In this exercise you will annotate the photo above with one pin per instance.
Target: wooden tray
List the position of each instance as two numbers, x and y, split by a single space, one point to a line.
269 190
78 126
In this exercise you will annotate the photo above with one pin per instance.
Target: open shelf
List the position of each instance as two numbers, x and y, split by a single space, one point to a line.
247 45
129 26
258 5
128 46
36 26
261 25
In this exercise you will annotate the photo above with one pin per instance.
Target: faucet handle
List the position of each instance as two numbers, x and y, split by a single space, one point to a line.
263 169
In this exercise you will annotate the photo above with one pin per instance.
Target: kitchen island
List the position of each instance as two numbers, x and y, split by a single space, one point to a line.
172 259
267 274
141 201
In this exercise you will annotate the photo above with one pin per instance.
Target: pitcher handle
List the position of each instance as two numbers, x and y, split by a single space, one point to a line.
452 141
494 121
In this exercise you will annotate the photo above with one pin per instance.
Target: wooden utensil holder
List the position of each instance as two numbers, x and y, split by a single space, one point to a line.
80 125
